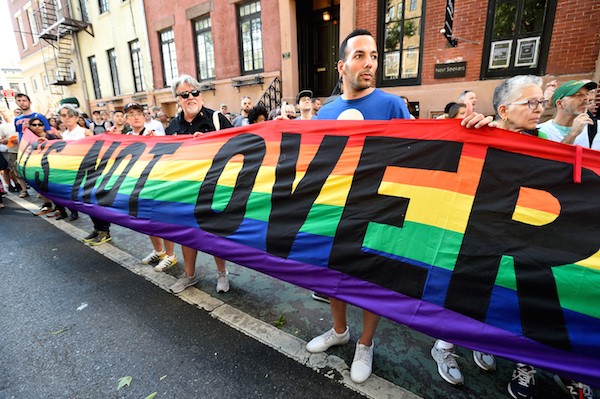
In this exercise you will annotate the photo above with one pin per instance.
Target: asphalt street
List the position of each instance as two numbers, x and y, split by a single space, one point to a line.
73 323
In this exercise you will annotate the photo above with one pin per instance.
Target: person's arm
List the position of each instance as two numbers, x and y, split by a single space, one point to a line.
88 133
47 127
579 123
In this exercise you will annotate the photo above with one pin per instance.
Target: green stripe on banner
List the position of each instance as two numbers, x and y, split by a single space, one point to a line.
323 220
573 283
427 244
506 276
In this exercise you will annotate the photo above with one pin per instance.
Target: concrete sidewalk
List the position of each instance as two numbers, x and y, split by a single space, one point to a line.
403 367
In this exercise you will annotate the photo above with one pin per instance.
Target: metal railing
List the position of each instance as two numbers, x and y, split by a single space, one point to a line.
271 98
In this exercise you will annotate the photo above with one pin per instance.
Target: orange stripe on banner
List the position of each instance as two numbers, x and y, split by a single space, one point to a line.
465 181
538 199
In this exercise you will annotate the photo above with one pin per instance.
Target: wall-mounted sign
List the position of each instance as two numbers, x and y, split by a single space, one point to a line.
527 52
500 54
450 70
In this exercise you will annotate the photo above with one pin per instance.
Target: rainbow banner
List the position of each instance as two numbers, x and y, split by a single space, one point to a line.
485 238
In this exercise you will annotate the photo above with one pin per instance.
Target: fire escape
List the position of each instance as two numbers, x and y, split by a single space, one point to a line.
58 26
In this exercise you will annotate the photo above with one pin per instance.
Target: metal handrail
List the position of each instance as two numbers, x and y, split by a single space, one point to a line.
271 98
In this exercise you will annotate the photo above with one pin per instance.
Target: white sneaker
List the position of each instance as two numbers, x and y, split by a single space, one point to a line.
153 257
165 263
327 340
485 361
222 281
362 365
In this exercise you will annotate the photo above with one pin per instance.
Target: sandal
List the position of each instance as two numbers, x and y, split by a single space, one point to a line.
24 194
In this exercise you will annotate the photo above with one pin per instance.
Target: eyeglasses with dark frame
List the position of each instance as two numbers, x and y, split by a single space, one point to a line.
186 94
532 104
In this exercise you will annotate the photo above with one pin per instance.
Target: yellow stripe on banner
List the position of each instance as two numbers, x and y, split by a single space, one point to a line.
230 174
533 216
593 262
445 209
181 170
335 190
265 179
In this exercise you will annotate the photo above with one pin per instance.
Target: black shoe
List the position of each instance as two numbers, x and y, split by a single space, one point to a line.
74 216
62 216
12 189
90 237
319 297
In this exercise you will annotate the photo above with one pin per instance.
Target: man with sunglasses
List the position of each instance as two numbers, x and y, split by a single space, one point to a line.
195 118
570 124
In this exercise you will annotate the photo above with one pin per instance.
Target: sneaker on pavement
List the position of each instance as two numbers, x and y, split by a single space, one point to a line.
165 263
223 281
522 382
46 208
184 282
574 389
485 361
91 236
154 257
101 238
327 340
320 297
362 365
447 365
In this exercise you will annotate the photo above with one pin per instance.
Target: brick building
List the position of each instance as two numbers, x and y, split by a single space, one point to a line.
239 48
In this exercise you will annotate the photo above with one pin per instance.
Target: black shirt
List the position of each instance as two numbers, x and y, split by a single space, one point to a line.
203 122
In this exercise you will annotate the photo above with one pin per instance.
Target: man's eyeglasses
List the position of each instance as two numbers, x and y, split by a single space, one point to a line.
186 94
532 104
36 124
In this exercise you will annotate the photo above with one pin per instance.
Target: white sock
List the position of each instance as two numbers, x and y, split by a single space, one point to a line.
444 345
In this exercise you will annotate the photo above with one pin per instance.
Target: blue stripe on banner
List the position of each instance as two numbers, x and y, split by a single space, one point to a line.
583 328
312 249
503 311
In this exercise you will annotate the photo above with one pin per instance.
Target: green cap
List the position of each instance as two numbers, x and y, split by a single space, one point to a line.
572 87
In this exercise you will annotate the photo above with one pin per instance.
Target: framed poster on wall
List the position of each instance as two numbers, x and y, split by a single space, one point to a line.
527 52
500 54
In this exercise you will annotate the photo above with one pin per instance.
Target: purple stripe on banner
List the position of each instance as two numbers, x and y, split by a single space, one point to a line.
428 318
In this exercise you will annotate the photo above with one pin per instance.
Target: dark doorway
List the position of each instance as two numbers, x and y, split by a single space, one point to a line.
318 46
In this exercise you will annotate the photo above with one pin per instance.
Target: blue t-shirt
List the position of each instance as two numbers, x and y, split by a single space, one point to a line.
378 105
19 120
311 118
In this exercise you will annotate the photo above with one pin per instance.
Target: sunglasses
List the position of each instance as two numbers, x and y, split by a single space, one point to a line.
186 94
36 124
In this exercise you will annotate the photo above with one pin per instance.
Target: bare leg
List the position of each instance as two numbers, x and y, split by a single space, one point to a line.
370 321
169 247
220 264
189 257
156 243
338 311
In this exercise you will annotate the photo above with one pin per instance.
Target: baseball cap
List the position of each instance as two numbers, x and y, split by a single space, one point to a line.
572 87
223 105
304 93
133 105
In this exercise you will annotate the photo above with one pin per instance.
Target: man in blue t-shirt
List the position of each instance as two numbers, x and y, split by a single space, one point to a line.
360 100
24 102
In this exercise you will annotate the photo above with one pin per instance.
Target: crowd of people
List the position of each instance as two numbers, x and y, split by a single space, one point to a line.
518 104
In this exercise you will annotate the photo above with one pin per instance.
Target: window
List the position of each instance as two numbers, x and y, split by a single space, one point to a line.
168 55
400 55
250 36
85 16
34 84
45 80
205 52
103 4
22 32
517 37
32 26
114 71
95 80
14 86
136 65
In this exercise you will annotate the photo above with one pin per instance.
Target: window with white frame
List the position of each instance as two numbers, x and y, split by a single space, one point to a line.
250 37
22 32
168 56
32 26
137 66
205 51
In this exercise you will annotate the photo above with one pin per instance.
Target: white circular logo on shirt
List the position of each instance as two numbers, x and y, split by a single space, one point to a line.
351 115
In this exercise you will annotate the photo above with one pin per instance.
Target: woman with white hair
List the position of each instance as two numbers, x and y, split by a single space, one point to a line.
519 103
